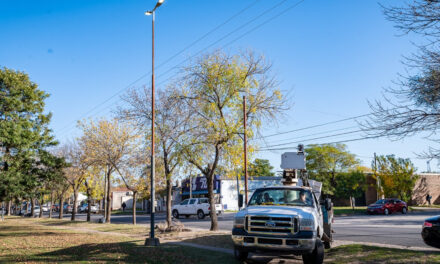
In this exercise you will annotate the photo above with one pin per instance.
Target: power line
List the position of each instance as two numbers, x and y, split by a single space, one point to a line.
314 134
236 30
166 61
328 123
315 126
327 136
225 36
334 142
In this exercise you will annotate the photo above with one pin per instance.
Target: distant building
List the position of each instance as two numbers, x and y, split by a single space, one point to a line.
120 195
225 189
427 183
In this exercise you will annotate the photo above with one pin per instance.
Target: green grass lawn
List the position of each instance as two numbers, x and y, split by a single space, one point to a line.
431 206
28 240
34 240
347 210
128 212
369 254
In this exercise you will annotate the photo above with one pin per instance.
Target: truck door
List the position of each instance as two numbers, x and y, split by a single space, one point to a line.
191 207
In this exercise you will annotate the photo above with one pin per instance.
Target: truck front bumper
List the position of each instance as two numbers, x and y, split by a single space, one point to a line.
296 245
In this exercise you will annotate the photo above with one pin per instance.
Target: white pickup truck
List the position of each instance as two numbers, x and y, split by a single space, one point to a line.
194 206
293 218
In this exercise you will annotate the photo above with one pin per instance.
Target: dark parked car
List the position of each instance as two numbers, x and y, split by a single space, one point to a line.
387 206
56 207
431 231
67 208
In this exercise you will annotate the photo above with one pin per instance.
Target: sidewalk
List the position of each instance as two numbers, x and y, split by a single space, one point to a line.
425 209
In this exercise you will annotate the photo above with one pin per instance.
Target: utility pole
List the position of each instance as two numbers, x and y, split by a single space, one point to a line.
190 186
245 153
379 188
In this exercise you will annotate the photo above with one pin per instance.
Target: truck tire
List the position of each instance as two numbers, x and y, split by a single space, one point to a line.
200 214
176 214
240 255
317 256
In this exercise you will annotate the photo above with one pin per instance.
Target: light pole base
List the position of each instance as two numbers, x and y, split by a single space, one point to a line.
152 242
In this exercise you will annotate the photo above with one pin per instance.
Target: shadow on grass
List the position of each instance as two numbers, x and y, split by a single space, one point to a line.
130 252
212 240
31 233
60 222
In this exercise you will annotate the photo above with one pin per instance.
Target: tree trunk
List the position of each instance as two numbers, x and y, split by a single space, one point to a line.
104 201
134 207
9 207
40 215
212 212
32 207
108 204
75 207
89 203
51 205
60 216
169 189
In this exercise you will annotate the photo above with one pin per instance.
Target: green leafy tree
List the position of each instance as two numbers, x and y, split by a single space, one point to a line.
260 167
24 134
212 89
350 184
396 175
325 162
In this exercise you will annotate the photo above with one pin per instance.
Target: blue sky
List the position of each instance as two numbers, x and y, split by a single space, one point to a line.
332 56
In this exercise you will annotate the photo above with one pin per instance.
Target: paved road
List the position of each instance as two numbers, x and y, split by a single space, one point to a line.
396 229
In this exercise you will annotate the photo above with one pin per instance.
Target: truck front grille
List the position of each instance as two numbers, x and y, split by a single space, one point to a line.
271 224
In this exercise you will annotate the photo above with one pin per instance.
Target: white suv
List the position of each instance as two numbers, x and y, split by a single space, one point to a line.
194 206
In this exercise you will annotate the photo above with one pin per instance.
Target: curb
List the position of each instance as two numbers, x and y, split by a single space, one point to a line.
345 242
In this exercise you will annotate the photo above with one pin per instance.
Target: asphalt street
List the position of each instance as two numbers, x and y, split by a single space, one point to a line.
396 229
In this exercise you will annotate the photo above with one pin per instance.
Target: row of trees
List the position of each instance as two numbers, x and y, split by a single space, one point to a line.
199 124
343 177
26 165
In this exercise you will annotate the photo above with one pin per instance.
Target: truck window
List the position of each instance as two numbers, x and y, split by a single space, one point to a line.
185 202
203 201
192 201
282 196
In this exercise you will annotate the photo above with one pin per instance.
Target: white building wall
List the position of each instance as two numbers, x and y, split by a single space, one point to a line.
229 196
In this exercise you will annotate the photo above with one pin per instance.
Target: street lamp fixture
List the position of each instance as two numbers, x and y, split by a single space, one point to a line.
152 241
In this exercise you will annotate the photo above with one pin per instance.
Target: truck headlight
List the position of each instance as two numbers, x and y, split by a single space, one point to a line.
239 222
307 224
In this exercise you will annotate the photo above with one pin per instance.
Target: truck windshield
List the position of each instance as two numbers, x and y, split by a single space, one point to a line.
289 197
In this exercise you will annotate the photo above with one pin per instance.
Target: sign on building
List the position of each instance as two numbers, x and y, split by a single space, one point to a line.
199 185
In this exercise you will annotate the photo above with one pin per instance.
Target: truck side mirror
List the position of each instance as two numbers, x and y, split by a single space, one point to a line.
328 204
240 201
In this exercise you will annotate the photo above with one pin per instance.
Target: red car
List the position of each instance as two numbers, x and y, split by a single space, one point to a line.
387 206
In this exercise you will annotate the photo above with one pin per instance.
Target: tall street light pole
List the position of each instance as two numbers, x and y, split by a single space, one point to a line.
152 241
245 153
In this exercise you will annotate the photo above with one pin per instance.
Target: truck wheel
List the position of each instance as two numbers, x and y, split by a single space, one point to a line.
240 255
317 256
404 210
176 214
200 214
386 212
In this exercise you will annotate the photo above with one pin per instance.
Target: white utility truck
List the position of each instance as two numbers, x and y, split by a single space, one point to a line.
293 218
194 206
